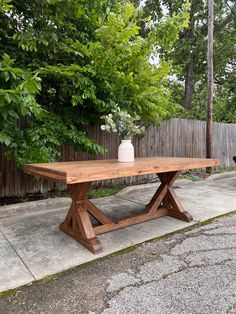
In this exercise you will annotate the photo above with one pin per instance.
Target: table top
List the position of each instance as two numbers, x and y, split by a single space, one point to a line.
72 172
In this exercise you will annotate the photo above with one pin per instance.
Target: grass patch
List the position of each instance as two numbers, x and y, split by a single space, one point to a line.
193 178
210 220
94 192
102 192
223 170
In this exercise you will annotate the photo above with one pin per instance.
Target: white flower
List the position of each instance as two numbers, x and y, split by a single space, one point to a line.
122 123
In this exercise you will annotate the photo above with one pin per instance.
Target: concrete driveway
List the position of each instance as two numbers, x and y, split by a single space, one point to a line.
32 247
189 272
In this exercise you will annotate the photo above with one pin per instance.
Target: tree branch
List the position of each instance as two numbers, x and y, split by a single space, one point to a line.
233 9
227 20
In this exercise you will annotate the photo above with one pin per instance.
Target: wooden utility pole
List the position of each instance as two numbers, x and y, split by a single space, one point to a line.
210 81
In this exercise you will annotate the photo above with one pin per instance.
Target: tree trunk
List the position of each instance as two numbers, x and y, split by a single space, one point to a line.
189 84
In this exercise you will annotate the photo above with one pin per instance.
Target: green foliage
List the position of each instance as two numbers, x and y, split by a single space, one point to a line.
189 57
69 62
41 139
121 60
17 99
5 5
46 78
122 123
167 29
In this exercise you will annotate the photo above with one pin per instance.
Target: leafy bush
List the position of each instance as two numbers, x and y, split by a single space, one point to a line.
68 63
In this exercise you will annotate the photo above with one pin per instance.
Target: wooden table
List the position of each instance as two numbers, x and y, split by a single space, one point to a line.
79 175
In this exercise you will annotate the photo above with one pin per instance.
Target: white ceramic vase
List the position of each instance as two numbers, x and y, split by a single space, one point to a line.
126 151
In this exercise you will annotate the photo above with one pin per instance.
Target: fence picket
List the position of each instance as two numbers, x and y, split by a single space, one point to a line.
175 137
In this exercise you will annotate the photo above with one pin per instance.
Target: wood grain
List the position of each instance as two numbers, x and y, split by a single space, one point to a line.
93 170
78 224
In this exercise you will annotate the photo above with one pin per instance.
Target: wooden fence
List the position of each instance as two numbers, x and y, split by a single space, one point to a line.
176 137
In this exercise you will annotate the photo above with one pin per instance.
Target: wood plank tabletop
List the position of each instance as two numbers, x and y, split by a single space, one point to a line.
86 171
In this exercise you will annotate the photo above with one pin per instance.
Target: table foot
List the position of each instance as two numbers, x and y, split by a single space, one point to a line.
92 244
165 197
185 216
77 223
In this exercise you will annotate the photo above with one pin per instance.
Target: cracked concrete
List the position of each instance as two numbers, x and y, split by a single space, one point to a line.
177 274
199 290
32 247
195 276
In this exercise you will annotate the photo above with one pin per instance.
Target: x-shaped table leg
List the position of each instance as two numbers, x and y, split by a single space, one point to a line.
165 197
77 223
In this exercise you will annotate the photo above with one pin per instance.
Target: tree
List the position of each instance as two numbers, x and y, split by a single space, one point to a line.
81 58
189 56
36 36
121 60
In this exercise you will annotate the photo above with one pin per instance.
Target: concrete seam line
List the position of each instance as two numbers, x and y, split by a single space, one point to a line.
125 199
18 254
33 213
